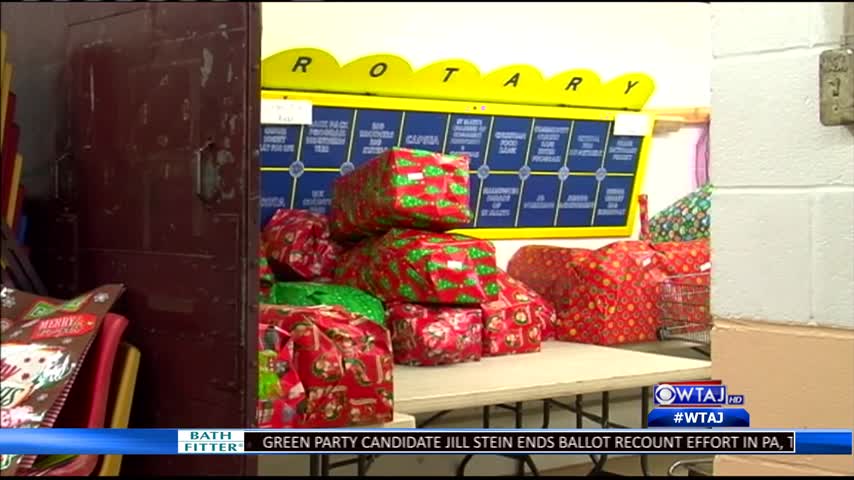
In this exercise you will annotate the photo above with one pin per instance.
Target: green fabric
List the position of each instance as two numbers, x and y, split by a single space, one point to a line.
308 294
687 219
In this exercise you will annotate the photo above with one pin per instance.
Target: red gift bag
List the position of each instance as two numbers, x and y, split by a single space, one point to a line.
344 362
299 246
426 335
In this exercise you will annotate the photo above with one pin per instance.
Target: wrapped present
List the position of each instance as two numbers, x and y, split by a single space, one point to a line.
612 298
643 207
414 266
514 322
687 219
308 294
281 396
299 246
426 335
692 258
266 279
549 271
402 188
344 362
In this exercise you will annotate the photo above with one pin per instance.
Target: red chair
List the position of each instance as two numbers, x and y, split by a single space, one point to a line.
86 406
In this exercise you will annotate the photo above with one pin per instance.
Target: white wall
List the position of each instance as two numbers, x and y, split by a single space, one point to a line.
670 42
783 208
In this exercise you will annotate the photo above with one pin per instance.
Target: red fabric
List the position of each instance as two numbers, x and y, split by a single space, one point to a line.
298 245
402 188
344 362
614 298
432 335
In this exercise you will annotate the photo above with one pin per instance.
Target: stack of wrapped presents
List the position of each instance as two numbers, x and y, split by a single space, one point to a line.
379 282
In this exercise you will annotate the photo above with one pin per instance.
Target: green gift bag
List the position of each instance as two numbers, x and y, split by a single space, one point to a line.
309 294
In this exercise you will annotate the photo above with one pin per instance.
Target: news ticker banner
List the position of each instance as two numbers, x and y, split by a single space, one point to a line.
57 441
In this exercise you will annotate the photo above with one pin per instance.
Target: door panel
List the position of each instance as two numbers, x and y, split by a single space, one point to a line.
160 102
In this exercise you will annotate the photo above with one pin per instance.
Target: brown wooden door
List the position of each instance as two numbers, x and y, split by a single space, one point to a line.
163 115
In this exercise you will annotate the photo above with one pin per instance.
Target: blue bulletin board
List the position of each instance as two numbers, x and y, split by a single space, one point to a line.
539 168
536 171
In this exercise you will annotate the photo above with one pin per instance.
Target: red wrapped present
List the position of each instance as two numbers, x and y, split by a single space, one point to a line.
685 295
547 270
412 266
613 297
281 396
686 258
402 188
425 335
344 362
299 245
515 322
643 204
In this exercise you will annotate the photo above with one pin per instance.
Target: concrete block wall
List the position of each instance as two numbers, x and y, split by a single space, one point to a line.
783 210
782 227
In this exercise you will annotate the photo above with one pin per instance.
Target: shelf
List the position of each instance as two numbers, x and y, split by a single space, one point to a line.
672 119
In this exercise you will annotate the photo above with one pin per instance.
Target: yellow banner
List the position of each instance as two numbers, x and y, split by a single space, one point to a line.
310 69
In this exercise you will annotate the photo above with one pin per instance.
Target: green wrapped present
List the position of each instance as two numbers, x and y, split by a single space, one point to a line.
309 294
687 219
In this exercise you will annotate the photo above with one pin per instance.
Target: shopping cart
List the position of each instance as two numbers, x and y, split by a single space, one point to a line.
694 468
684 312
684 308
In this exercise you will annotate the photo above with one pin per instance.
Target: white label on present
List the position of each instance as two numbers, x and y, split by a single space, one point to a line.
455 264
705 266
286 112
632 124
646 262
415 176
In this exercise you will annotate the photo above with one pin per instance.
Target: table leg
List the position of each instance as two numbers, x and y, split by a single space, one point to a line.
314 465
644 459
520 463
324 466
599 464
547 412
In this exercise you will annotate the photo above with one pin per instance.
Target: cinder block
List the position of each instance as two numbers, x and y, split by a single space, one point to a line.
765 127
744 27
833 258
828 22
760 255
791 377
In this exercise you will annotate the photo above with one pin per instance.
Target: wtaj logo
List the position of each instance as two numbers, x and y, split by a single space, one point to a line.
694 394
